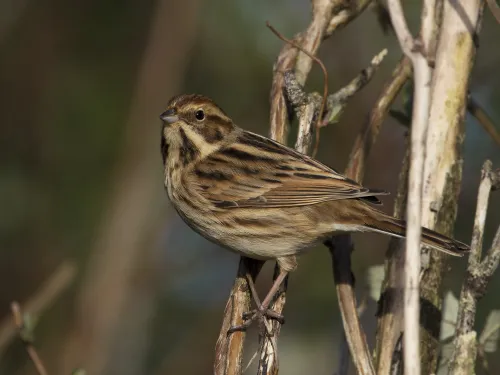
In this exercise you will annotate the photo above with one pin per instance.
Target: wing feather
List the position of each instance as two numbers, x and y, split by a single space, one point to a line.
254 171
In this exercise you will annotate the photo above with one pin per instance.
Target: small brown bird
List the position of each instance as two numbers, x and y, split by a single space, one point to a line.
260 198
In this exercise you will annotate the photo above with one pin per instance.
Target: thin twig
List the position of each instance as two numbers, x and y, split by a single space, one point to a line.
483 118
26 340
336 102
476 281
42 299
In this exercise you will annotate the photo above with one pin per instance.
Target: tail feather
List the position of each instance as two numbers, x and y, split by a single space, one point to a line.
397 228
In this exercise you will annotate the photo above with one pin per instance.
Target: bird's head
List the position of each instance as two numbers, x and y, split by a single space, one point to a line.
193 126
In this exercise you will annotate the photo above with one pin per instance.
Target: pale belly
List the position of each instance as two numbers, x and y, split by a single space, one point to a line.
259 233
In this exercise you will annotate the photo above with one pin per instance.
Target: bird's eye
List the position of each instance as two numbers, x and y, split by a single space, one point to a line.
200 115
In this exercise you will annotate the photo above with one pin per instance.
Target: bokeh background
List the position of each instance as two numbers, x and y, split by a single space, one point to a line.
132 289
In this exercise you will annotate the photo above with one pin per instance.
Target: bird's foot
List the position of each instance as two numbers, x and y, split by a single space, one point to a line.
259 315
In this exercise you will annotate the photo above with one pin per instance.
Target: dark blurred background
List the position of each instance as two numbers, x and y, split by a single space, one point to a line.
132 289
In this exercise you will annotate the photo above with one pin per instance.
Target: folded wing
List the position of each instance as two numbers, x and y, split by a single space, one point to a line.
257 172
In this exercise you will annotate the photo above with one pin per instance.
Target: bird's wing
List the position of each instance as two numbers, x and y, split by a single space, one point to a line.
254 171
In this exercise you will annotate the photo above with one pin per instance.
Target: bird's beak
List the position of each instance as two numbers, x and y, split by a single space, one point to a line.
169 116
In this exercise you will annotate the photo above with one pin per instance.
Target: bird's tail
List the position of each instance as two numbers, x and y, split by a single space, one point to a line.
397 228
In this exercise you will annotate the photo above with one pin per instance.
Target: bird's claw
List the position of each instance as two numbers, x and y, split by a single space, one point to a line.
257 314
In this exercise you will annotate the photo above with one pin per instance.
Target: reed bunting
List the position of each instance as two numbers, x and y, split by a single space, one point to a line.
259 198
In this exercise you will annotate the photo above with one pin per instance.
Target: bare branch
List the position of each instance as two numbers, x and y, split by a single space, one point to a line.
443 161
416 52
26 339
476 281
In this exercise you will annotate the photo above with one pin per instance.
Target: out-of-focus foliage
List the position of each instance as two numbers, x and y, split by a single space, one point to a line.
69 75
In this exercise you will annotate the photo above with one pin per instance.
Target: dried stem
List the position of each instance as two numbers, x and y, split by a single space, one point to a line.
476 281
26 339
340 249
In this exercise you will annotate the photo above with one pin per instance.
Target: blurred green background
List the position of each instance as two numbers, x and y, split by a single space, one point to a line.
82 84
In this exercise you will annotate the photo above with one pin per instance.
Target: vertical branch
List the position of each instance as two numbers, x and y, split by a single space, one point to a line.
416 50
443 164
476 280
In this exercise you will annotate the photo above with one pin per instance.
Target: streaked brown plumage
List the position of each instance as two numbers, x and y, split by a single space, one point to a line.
260 198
